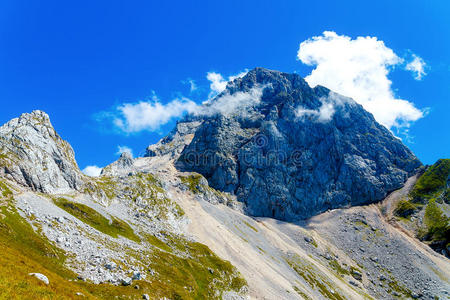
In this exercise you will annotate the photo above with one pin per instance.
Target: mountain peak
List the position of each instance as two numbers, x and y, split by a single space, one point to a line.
36 115
263 76
34 155
295 151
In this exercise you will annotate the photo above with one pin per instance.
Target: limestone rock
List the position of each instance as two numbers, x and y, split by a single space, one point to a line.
121 166
34 155
41 277
174 143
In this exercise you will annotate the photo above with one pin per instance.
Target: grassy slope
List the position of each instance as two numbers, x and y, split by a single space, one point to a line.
114 228
184 269
432 182
430 188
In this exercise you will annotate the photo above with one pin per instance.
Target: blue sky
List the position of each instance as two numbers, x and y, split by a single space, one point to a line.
80 60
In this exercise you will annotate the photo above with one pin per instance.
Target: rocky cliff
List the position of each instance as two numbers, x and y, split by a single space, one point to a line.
290 151
34 155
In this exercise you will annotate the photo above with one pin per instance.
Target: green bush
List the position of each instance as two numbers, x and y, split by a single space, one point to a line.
437 223
434 179
405 209
192 182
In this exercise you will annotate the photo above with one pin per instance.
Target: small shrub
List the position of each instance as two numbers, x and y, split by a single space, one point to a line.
437 223
434 179
405 209
192 182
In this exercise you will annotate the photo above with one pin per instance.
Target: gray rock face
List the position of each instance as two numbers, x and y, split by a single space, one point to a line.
174 143
121 166
33 154
298 151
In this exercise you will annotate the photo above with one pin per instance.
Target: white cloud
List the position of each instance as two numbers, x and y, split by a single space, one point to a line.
122 149
323 115
150 115
93 171
326 110
358 68
218 82
191 83
230 103
417 65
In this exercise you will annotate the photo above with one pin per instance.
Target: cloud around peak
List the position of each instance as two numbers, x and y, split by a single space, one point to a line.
150 115
218 82
359 68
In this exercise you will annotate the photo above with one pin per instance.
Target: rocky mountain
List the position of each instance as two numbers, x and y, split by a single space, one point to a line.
193 219
120 166
295 151
33 154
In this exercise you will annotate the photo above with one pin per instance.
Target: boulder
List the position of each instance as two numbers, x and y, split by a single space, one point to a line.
41 277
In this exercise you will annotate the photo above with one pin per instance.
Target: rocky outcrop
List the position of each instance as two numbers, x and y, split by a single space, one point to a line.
34 155
174 143
296 151
121 166
41 277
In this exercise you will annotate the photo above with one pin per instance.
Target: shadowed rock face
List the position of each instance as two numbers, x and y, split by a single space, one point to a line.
296 151
33 154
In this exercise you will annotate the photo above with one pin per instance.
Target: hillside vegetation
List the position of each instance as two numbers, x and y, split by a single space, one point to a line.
184 269
427 203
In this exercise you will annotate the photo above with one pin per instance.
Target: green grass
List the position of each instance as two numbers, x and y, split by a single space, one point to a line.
149 187
434 179
153 240
192 182
405 209
250 226
437 223
108 186
237 283
334 264
314 278
301 293
6 192
24 251
400 289
199 275
90 216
